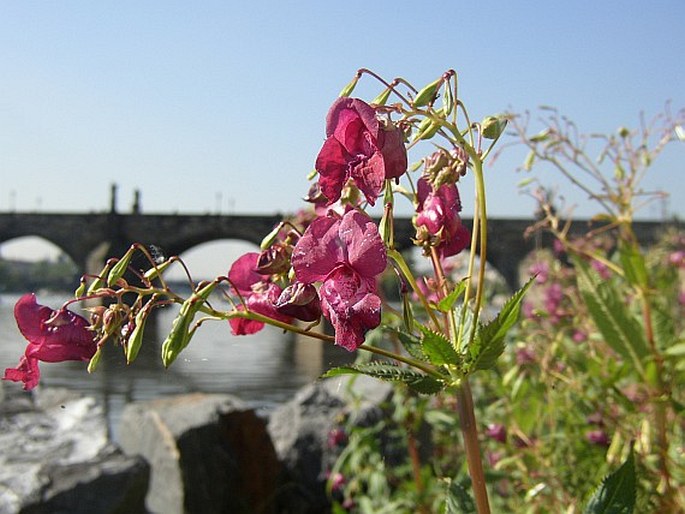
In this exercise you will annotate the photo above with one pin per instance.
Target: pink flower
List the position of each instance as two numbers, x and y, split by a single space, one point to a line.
259 293
677 259
438 211
602 270
598 437
53 336
541 270
497 432
345 254
358 147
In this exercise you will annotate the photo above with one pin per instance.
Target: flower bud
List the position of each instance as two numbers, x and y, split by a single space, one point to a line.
300 301
274 260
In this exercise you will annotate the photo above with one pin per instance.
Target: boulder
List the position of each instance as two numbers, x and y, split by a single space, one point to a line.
55 456
208 453
301 431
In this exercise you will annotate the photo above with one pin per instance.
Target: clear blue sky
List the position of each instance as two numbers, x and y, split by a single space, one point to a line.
219 105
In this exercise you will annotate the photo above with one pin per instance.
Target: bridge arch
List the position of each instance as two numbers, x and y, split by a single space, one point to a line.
210 259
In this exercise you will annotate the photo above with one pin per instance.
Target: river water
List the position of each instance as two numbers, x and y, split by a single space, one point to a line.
264 369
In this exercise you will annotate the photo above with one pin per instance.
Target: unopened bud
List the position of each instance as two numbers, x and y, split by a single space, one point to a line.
300 301
274 260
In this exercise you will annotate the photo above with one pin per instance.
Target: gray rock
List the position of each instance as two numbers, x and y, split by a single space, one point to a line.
208 453
300 431
44 437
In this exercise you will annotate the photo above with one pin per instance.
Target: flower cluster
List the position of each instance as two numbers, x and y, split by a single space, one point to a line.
326 265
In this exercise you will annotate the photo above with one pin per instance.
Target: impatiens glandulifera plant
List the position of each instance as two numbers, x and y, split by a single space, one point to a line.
619 300
326 263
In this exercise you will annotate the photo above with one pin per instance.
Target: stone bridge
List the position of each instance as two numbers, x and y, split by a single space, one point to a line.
89 238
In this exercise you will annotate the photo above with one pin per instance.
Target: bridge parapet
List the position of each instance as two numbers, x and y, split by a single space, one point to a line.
89 237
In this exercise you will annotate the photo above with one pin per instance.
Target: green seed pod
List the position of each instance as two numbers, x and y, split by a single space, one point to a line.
347 90
135 340
120 268
81 289
97 284
156 271
427 94
94 360
270 237
493 126
180 335
426 129
382 98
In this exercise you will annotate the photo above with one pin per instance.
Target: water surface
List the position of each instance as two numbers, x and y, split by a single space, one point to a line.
264 370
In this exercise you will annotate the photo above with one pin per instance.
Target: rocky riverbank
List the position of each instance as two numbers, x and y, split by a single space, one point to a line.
193 453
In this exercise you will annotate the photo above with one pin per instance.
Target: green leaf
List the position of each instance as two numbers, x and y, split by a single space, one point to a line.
438 348
458 500
447 303
416 380
489 342
616 494
412 344
664 327
619 328
633 263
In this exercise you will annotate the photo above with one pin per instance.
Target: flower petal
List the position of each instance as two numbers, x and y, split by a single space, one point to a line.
318 251
366 252
331 163
349 302
243 273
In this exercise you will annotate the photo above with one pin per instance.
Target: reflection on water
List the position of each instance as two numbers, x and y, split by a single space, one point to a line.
263 370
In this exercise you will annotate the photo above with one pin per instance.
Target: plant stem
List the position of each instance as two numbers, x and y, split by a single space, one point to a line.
469 431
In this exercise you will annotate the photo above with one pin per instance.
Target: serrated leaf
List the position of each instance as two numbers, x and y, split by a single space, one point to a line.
447 303
616 494
438 348
411 344
418 381
489 342
619 328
